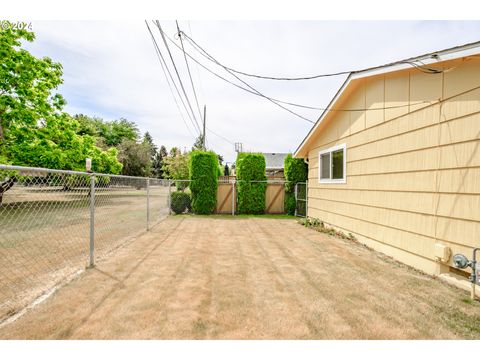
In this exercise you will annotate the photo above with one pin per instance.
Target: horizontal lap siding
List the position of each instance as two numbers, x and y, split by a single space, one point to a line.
413 173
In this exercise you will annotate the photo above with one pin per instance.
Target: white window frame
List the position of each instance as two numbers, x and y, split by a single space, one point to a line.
330 150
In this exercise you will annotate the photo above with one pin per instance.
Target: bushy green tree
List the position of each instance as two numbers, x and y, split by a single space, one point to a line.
135 158
176 167
109 133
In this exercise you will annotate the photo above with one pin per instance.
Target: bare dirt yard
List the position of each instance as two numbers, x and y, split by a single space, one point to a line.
248 278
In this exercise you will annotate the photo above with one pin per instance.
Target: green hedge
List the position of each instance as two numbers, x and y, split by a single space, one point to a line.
203 169
180 202
290 203
296 170
251 195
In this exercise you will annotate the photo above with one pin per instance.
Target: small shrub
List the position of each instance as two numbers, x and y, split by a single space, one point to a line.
203 170
319 226
180 202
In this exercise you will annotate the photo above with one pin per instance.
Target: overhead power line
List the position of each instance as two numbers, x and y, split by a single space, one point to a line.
178 75
290 103
422 67
189 74
165 70
254 91
220 136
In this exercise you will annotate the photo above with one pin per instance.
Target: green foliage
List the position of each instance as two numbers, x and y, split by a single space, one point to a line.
251 194
110 133
198 145
33 129
203 169
135 158
180 202
176 167
157 163
290 203
147 139
296 170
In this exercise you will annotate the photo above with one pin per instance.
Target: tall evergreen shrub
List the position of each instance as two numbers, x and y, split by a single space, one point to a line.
251 193
296 170
203 170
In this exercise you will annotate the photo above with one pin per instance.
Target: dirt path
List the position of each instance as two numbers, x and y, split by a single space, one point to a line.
196 278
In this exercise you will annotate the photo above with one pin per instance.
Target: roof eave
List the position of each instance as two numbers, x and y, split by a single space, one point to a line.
434 57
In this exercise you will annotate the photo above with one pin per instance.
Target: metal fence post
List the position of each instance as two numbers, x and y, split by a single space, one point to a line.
306 198
169 197
148 204
233 197
92 221
296 198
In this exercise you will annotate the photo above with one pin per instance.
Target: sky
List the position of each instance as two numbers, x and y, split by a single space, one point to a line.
111 71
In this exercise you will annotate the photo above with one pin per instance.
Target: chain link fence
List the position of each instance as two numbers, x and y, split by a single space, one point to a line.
301 199
54 223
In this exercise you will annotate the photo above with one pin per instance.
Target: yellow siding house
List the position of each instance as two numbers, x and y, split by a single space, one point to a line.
395 160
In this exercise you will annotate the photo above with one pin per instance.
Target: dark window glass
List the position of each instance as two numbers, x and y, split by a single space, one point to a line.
337 164
325 166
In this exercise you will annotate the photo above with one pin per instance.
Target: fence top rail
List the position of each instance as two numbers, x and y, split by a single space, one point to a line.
84 173
71 172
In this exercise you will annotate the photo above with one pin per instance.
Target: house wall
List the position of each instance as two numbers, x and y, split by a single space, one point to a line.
413 172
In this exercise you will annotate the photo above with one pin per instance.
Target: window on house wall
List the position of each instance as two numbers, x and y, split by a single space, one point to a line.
332 165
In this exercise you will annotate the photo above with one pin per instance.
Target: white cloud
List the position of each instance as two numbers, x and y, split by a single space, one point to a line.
111 70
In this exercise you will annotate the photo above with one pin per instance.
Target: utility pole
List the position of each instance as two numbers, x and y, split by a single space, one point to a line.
204 122
238 147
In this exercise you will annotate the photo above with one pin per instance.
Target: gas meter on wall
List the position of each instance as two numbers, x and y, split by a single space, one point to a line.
460 261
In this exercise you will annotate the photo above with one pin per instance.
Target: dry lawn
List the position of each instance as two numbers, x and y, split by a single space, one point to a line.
249 278
44 235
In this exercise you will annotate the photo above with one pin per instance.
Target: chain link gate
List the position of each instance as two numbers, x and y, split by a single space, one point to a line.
301 199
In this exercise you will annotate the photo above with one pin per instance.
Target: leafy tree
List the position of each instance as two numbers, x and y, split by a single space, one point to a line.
176 168
109 133
119 130
174 151
88 125
25 88
33 129
135 158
